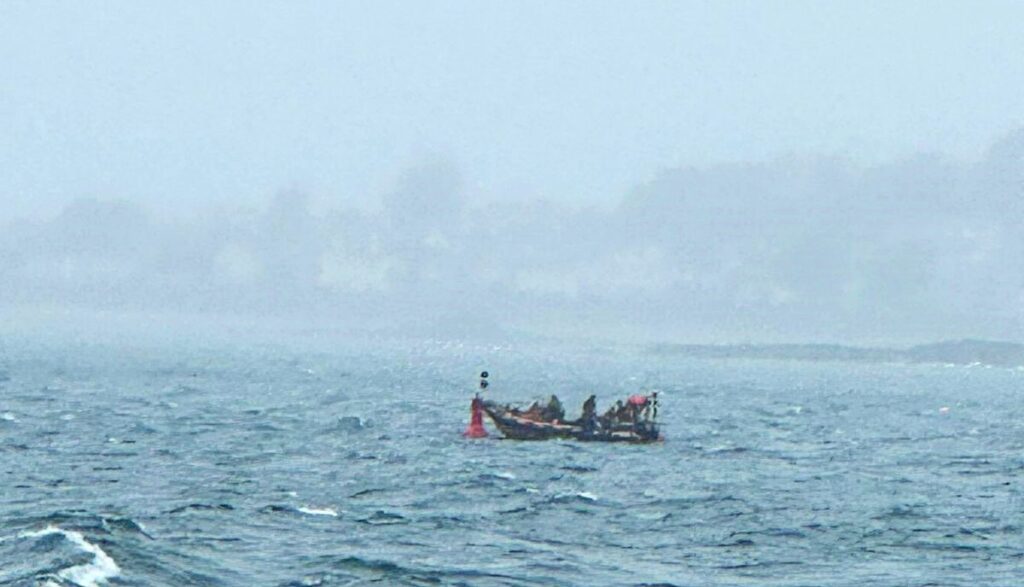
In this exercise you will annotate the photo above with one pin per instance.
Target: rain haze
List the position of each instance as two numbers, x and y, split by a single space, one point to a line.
511 294
659 171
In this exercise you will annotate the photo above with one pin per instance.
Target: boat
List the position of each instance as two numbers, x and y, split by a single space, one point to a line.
634 421
515 425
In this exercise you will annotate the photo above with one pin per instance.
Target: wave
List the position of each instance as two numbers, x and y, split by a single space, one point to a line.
306 510
349 424
578 496
128 524
494 479
378 570
94 573
318 511
578 469
367 491
201 506
382 518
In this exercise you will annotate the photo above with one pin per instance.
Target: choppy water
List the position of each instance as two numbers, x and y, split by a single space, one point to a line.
254 465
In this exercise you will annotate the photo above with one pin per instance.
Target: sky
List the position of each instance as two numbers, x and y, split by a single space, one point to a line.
177 105
681 171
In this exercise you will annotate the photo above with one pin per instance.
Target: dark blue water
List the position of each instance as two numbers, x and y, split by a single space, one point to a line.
323 464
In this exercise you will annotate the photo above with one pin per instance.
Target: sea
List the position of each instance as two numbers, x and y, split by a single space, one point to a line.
341 462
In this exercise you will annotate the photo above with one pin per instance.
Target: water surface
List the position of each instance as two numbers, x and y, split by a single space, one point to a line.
315 464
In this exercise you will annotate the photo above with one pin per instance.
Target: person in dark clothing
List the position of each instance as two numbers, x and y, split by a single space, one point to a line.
613 416
589 417
609 415
590 406
554 410
622 411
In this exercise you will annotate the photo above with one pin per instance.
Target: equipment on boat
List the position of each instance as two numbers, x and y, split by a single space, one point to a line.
476 415
476 420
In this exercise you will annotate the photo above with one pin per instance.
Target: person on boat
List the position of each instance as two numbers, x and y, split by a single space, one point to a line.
554 410
614 415
609 416
589 417
590 406
622 413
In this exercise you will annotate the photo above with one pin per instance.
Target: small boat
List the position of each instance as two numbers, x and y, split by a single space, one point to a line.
633 421
513 424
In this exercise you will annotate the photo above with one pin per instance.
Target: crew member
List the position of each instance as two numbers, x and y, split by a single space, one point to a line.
589 414
554 410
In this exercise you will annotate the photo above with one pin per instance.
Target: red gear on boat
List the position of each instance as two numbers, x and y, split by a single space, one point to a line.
476 420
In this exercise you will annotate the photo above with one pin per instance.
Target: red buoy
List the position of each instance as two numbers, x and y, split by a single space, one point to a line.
476 420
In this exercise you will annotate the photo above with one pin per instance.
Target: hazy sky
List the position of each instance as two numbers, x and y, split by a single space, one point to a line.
175 104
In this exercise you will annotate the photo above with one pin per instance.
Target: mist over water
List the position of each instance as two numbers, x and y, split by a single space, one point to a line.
794 249
682 172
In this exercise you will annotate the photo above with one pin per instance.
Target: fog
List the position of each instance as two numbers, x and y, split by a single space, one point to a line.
708 173
810 249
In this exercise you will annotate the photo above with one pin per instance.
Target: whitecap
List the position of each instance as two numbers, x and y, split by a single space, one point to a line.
505 475
584 495
319 511
8 417
92 574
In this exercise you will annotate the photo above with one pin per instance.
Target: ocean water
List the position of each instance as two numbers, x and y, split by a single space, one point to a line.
343 464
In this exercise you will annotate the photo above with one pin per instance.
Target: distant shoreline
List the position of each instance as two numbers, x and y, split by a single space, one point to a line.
959 352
